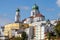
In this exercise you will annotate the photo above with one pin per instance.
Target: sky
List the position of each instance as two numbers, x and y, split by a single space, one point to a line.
49 8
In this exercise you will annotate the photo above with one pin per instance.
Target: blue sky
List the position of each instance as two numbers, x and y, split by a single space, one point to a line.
49 8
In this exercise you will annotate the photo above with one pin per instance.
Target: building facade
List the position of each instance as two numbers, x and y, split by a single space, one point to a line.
35 26
39 25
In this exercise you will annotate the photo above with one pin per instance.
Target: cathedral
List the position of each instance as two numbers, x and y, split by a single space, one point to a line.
35 26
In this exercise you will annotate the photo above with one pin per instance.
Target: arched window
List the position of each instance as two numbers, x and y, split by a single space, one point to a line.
33 13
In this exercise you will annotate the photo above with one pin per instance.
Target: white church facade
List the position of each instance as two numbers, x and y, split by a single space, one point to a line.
39 26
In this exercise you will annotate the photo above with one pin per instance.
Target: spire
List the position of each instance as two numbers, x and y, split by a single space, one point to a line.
17 16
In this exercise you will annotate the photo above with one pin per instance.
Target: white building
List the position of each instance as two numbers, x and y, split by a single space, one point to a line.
39 26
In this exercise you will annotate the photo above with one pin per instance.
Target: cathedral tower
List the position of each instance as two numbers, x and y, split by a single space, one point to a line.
35 10
17 16
36 13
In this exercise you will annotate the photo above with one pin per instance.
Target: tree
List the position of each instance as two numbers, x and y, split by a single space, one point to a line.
17 38
57 29
24 36
48 35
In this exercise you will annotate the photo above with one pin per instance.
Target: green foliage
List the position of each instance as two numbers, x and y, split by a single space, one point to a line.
57 29
51 36
17 38
48 35
24 36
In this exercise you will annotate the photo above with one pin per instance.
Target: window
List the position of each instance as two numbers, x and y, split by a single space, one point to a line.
33 13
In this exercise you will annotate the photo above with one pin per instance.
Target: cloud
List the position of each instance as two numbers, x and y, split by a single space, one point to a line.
3 15
58 14
4 19
58 3
48 9
24 7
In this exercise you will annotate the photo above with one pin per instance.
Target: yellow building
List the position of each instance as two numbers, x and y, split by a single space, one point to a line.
13 26
8 28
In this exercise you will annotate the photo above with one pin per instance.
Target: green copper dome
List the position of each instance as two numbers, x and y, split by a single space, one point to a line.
18 10
35 7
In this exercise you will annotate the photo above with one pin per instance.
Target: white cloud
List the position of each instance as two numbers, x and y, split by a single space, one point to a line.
4 20
58 14
58 3
49 9
24 7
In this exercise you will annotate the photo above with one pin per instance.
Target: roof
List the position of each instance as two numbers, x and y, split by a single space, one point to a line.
35 7
58 21
31 17
39 15
17 9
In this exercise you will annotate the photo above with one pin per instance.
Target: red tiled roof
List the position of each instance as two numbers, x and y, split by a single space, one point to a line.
39 15
31 17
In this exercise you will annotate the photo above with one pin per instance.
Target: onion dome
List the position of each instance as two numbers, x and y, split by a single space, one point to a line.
35 7
17 10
